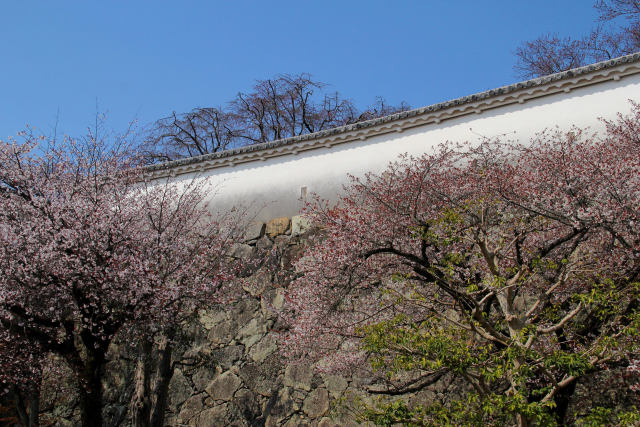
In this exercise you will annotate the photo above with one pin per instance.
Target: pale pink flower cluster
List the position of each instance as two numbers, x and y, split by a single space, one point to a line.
88 250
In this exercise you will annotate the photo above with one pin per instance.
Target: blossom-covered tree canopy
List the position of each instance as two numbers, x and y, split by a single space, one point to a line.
88 249
513 266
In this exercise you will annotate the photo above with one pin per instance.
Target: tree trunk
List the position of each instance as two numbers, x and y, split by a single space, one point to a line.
563 396
28 403
141 403
562 399
522 421
34 406
91 403
91 387
21 408
163 378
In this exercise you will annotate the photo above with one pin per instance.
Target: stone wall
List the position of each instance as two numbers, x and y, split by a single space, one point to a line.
229 370
244 381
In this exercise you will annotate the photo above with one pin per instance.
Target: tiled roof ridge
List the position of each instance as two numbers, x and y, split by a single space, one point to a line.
532 83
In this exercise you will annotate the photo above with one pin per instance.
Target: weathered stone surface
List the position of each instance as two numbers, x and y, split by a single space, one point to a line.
423 397
298 395
244 310
272 420
316 403
203 376
278 300
263 244
273 367
272 300
227 356
57 421
179 388
297 421
335 384
252 332
361 380
223 386
213 417
327 422
211 318
263 348
299 224
257 283
298 376
223 332
346 421
283 406
170 419
258 379
191 407
61 412
442 385
197 353
58 387
277 226
254 231
245 408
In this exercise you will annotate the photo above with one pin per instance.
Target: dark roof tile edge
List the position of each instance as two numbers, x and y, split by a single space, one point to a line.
632 58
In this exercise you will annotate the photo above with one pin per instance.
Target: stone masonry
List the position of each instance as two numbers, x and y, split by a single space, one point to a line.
229 370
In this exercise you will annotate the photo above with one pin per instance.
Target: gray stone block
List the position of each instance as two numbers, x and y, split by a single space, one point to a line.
316 403
254 231
298 375
224 386
179 388
299 224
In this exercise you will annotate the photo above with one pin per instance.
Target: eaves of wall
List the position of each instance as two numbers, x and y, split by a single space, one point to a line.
564 82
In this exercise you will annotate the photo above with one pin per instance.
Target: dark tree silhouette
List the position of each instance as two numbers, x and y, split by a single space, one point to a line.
617 33
278 108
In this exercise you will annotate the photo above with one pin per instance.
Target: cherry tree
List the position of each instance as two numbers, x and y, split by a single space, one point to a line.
88 251
513 267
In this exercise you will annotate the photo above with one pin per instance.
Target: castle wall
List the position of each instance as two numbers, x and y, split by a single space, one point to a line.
276 186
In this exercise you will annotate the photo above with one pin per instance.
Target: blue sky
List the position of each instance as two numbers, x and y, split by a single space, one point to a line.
144 59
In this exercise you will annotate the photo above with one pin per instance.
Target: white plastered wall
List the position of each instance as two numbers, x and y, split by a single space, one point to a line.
274 186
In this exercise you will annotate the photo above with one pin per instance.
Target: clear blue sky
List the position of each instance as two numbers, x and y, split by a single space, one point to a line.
144 59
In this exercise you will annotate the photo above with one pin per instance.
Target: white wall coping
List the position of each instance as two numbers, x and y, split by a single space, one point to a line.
518 93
